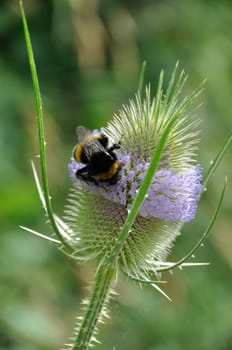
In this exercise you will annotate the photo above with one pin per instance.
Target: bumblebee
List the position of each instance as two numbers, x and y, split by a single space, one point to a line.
101 161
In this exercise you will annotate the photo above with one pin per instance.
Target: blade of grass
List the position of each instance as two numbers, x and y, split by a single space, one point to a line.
203 236
42 143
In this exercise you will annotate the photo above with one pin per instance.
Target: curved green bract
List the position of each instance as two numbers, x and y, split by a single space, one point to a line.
217 160
42 142
203 236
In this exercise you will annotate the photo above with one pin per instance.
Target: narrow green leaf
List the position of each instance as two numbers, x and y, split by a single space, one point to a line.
42 143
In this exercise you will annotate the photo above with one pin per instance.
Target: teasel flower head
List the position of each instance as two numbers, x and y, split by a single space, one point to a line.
96 212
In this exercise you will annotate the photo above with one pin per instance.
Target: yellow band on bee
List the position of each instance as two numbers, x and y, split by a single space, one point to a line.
109 173
78 152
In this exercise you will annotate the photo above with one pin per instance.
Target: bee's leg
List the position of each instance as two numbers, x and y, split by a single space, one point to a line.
79 172
83 174
115 146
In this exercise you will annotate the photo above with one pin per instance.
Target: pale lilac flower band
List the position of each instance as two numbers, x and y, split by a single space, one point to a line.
172 196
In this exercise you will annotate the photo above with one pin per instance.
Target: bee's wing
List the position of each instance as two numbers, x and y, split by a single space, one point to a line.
82 132
94 149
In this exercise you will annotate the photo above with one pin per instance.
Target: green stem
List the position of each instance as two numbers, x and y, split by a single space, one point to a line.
104 272
95 309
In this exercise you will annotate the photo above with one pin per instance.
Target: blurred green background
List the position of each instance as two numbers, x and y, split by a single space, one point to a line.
89 54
